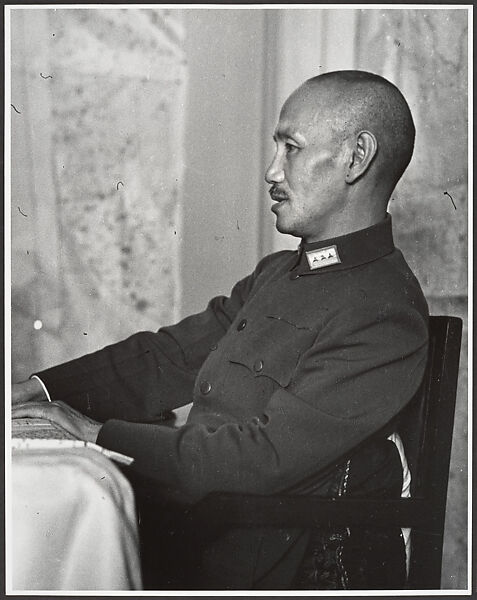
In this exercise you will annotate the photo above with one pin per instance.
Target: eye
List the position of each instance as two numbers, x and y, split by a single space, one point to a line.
290 148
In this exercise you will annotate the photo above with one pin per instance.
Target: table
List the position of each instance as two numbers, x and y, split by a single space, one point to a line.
73 522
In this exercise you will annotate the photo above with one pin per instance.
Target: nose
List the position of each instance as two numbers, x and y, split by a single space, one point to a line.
275 173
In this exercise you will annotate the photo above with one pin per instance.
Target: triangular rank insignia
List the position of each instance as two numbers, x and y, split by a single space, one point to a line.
323 257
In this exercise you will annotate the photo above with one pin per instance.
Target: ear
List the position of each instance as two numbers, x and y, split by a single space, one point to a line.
362 156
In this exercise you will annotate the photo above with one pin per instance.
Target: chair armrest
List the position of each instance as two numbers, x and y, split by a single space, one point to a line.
220 509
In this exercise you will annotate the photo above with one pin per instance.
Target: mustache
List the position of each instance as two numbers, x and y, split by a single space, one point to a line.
277 193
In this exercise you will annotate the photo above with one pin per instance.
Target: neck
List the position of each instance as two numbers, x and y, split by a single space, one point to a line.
348 222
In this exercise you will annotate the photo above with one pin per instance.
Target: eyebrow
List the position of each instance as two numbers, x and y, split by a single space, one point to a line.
286 132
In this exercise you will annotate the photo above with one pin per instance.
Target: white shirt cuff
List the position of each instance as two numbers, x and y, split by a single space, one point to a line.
43 386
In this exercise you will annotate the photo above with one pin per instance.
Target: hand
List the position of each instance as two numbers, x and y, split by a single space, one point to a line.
70 419
28 390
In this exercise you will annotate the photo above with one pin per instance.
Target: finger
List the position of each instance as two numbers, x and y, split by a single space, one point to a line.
29 409
64 407
73 412
37 410
33 404
60 413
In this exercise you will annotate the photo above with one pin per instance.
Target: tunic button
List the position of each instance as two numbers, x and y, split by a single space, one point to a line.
205 387
258 366
242 325
214 347
294 275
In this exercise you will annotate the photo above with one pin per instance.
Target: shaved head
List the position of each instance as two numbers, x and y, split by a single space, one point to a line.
361 101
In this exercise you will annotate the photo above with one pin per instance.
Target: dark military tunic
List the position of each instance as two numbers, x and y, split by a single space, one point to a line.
311 354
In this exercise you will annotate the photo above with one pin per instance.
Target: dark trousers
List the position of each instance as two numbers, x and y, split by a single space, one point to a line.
176 557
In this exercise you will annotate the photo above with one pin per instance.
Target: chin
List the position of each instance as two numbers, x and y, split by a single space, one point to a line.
286 229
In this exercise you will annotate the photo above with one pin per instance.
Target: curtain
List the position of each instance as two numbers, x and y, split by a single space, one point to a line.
97 164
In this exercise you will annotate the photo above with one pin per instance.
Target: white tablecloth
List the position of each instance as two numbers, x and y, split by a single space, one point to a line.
73 523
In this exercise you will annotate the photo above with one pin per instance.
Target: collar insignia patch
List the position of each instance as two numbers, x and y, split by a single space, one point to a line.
323 257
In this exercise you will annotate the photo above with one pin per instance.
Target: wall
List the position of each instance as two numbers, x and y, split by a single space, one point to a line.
224 161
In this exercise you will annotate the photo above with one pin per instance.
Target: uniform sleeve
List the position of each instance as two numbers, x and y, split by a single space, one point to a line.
362 369
149 373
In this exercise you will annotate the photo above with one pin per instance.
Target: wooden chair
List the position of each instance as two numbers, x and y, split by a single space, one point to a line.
426 429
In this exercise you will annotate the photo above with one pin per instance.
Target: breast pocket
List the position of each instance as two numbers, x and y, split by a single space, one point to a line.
278 372
273 347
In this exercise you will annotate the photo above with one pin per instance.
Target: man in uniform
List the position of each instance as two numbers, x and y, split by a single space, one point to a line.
311 356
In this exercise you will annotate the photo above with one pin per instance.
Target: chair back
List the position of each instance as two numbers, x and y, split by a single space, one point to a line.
426 427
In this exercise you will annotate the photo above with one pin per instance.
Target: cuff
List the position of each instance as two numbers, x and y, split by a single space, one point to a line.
43 386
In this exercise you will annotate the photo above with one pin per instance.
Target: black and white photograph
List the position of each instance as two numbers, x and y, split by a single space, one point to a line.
237 304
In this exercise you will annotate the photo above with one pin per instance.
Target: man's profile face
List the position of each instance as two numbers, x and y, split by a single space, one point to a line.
307 173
